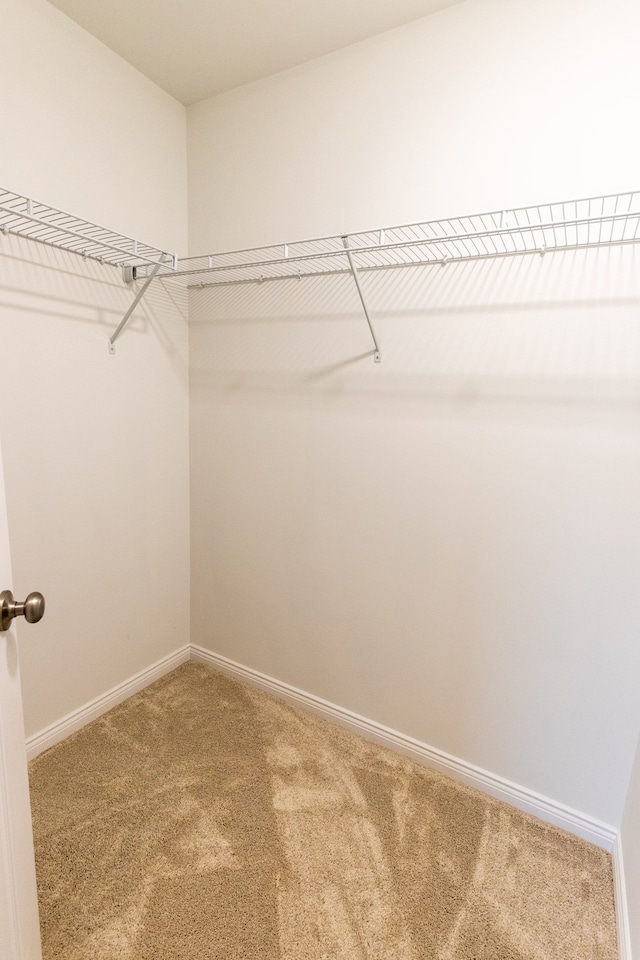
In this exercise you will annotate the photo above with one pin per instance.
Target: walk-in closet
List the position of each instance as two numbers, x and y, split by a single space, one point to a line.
319 426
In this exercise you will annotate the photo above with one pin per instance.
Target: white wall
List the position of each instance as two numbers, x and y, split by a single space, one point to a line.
446 542
95 446
85 132
630 836
485 105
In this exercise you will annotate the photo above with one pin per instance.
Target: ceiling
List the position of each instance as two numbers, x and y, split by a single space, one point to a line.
195 49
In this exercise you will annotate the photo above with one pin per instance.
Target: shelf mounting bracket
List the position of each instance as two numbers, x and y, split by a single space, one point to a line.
354 274
116 333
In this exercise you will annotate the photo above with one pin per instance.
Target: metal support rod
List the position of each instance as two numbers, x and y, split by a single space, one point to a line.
354 273
123 322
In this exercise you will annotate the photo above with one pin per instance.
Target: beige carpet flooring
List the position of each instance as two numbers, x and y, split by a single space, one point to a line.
204 819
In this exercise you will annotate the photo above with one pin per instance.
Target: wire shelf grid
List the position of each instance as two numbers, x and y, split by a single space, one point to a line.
37 221
567 225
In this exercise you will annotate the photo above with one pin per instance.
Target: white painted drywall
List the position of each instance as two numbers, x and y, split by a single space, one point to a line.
486 105
630 837
85 132
447 542
95 446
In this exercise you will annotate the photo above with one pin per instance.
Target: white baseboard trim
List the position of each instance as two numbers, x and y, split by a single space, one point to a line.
545 809
91 711
620 896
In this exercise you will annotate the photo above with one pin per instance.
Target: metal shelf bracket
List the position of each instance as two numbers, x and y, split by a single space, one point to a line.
354 273
116 333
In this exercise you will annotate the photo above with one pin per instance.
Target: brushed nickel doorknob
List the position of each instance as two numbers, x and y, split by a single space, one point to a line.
32 609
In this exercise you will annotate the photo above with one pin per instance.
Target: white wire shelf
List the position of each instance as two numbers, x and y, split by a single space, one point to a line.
568 225
601 221
38 221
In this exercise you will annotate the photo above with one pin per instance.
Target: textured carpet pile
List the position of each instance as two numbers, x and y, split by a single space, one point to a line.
205 820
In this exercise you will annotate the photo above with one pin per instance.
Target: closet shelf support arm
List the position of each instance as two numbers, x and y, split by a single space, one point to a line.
116 333
354 273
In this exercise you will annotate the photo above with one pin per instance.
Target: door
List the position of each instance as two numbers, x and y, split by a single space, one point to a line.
19 924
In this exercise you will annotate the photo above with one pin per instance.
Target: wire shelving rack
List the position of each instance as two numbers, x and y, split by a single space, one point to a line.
567 225
539 229
38 221
608 220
